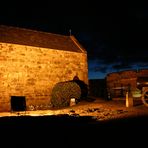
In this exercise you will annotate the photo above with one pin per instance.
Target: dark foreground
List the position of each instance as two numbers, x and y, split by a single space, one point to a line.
63 129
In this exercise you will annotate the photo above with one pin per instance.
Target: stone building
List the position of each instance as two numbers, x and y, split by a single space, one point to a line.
120 82
32 62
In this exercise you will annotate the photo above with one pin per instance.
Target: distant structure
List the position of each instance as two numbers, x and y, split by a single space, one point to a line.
120 82
32 62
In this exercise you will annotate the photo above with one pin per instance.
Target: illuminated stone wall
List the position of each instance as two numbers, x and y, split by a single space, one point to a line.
32 72
124 79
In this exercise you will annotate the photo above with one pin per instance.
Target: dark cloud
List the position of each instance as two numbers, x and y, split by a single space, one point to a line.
122 66
102 69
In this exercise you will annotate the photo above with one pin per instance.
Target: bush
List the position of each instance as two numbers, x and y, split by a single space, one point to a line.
84 89
62 92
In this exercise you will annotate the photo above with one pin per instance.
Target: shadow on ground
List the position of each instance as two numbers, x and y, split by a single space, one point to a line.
63 129
73 122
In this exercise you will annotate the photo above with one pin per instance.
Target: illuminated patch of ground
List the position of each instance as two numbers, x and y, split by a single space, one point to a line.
99 110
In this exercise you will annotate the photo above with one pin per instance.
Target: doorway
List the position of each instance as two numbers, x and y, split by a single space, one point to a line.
18 103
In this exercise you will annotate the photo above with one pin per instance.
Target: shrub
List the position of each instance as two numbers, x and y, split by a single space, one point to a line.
83 87
62 92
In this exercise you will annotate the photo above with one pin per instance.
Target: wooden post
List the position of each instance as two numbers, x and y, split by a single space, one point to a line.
129 100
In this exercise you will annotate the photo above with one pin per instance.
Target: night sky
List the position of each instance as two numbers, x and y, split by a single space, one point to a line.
114 34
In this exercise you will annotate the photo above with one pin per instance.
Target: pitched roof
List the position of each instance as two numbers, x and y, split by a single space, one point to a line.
15 35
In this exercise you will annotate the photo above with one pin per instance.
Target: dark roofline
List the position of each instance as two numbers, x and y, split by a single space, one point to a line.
24 36
32 30
119 72
77 43
134 70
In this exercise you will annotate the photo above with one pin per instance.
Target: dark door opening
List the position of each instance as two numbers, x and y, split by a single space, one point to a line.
18 103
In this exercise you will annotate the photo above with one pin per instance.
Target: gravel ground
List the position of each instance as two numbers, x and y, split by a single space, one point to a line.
98 109
106 110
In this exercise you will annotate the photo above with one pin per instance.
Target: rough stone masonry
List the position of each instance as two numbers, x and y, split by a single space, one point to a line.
32 62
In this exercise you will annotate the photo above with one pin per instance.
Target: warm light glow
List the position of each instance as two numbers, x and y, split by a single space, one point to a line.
28 113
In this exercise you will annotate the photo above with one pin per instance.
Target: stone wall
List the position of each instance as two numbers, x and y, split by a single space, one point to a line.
32 72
